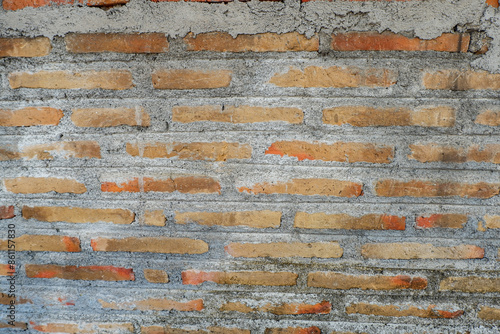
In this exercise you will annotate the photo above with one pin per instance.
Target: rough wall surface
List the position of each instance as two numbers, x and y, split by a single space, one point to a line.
249 167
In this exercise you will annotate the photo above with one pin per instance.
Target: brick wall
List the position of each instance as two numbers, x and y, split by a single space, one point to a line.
293 182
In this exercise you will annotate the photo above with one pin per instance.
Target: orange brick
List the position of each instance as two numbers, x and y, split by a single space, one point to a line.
158 304
339 151
412 250
442 221
258 219
362 116
7 212
30 116
112 79
322 250
461 80
108 117
293 330
156 276
44 243
7 269
121 43
154 218
195 277
24 47
17 325
472 284
388 41
308 187
335 77
344 221
236 114
418 188
83 328
78 215
191 79
37 185
489 313
209 330
182 184
492 3
491 221
398 311
339 281
216 151
5 299
266 42
489 117
20 4
69 149
443 153
86 273
286 308
150 245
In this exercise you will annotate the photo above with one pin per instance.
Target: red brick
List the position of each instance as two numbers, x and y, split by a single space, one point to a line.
30 116
24 47
398 311
182 184
442 221
156 304
286 308
492 3
7 212
20 4
44 243
322 220
339 151
87 273
388 41
412 250
339 281
307 187
121 43
195 277
163 245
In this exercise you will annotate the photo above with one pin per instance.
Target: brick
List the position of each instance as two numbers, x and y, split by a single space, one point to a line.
5 299
44 243
49 151
442 153
293 330
339 151
30 116
323 307
472 284
182 184
17 325
489 117
322 220
78 215
322 250
266 42
461 80
489 313
86 273
308 187
442 221
337 281
335 77
398 311
37 185
388 41
7 269
7 212
492 3
83 328
491 221
163 245
236 114
20 4
412 250
419 188
24 47
156 304
156 276
191 79
257 219
154 218
112 79
195 277
120 43
362 116
216 151
209 330
108 117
